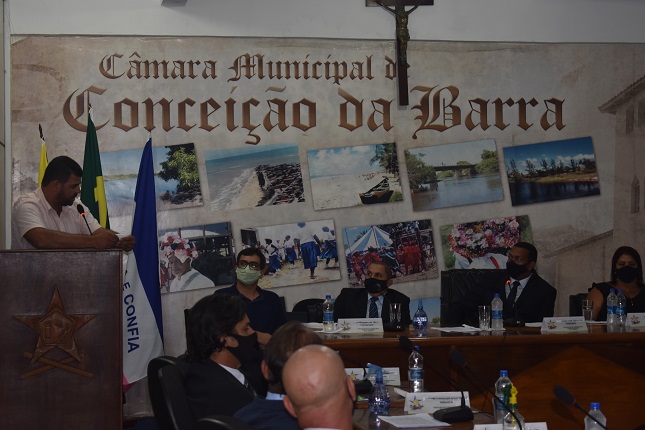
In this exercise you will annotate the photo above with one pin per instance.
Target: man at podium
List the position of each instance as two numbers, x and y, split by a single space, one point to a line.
48 217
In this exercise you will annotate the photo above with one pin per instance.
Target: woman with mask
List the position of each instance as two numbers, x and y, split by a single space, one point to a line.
626 275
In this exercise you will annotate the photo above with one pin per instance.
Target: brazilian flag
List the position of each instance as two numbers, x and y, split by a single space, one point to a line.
93 189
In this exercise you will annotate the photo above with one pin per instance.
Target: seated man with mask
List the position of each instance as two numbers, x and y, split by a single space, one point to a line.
527 297
374 300
217 330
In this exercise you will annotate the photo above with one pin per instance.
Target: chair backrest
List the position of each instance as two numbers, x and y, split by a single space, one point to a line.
457 284
221 422
167 394
313 308
575 304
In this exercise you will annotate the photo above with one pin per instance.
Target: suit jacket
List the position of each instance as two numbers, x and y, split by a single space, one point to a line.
352 303
536 301
265 414
212 390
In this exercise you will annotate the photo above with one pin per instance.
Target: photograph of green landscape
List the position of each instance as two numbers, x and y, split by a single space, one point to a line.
543 172
454 174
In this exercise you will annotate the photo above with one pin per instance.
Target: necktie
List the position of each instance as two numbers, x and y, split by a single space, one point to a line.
510 301
373 308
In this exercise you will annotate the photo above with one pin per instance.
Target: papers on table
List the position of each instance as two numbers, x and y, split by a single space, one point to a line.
465 328
413 421
527 426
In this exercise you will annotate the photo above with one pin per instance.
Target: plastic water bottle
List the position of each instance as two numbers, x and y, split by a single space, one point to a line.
612 302
621 308
328 314
498 407
420 319
597 414
497 313
415 371
379 400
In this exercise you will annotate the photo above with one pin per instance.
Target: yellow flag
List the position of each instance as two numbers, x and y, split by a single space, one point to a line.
43 161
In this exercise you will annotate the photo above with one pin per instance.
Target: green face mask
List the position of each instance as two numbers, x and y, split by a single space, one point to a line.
247 276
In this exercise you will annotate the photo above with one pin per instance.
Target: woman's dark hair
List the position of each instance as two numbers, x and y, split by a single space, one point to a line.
626 250
208 320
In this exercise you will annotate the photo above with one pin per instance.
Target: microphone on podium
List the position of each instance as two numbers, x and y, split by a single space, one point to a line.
565 396
458 358
455 414
81 211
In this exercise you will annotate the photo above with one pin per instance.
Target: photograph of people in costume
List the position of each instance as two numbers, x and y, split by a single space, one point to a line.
297 253
407 247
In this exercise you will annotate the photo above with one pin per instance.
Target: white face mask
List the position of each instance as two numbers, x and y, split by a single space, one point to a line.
247 276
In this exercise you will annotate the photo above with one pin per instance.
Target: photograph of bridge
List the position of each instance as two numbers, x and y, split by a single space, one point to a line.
454 174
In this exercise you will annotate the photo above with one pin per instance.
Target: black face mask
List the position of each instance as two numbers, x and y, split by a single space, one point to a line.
627 273
514 270
248 350
374 286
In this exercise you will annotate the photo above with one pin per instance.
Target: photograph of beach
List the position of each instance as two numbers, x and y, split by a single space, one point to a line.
297 253
196 257
176 180
251 176
547 171
483 244
407 247
354 175
454 174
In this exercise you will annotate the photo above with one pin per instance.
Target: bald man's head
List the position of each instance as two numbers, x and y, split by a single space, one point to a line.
317 387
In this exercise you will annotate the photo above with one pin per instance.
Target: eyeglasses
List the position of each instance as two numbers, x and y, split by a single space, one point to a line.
242 264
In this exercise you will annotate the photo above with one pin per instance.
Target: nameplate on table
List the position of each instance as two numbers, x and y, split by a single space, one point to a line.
527 426
391 375
563 325
635 320
360 325
417 403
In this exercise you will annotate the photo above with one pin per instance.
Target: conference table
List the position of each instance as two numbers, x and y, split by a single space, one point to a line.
593 366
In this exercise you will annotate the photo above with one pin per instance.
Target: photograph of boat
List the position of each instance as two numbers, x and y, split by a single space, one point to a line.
380 193
354 175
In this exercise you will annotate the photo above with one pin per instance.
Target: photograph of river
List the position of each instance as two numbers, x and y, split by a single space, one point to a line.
454 174
547 171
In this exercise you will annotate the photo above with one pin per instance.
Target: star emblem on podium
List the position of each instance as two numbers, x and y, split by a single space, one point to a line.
55 329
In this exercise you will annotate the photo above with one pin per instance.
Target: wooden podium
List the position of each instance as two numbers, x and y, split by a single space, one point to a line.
60 331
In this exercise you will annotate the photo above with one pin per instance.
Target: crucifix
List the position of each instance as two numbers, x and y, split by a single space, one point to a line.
402 37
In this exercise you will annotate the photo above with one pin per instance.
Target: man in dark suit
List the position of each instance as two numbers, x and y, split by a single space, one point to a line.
527 297
269 413
374 300
215 330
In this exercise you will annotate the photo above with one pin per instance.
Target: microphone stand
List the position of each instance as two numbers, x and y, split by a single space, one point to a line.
565 396
458 358
455 414
81 211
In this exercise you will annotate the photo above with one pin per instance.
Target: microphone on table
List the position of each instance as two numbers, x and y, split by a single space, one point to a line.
458 358
81 211
363 386
565 396
455 414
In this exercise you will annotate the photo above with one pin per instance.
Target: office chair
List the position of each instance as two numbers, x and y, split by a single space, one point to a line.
168 396
313 308
221 422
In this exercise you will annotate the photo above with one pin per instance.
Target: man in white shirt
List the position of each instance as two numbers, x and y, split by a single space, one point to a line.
48 218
